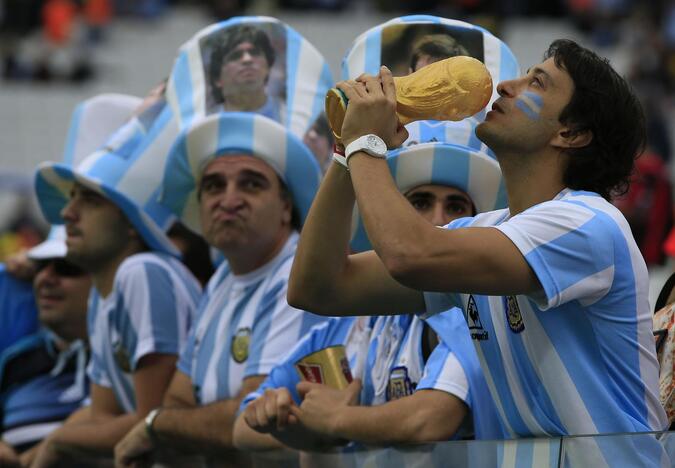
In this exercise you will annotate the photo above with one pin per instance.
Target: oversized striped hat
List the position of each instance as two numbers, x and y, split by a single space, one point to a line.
457 166
226 133
299 79
126 170
91 123
391 44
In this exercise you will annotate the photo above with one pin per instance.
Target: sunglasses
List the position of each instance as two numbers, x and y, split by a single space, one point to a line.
62 267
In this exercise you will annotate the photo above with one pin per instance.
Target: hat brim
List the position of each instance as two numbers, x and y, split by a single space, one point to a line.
471 171
53 183
223 134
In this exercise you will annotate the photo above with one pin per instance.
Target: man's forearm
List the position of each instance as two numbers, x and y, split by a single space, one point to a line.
204 430
398 422
97 435
385 211
324 244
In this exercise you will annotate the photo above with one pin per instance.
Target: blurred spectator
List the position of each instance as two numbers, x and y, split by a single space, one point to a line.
648 207
42 376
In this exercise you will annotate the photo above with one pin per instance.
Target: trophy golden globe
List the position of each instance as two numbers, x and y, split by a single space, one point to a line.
327 366
450 89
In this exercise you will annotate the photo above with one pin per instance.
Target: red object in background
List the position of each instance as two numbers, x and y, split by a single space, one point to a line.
97 12
648 206
58 17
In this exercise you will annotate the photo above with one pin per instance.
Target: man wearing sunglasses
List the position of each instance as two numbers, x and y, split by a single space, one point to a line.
239 72
42 377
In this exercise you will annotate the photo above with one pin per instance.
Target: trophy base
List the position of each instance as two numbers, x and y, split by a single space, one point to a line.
336 106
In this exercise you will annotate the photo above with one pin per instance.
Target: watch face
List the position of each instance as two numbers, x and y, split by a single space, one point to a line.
376 144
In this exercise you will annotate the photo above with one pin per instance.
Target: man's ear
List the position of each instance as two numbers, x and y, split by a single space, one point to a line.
572 138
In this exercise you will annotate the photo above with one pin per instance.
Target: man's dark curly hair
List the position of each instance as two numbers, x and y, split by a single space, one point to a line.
227 42
604 104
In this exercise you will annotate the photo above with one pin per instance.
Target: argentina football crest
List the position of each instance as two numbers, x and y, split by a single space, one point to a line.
513 315
121 356
240 344
399 384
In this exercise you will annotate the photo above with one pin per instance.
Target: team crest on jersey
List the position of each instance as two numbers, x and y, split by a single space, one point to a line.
121 357
473 320
399 384
240 343
513 315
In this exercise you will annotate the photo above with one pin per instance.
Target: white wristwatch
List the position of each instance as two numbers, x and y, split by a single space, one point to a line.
370 144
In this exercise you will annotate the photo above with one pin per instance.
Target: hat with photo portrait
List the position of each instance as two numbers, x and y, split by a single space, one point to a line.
126 170
299 79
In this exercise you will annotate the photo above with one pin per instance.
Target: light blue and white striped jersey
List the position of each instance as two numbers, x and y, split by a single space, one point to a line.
578 357
245 327
150 310
385 352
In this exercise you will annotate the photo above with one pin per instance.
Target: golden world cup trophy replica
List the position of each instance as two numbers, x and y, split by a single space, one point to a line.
450 89
327 366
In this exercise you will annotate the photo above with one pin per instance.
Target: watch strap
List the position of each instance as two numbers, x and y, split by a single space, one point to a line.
149 423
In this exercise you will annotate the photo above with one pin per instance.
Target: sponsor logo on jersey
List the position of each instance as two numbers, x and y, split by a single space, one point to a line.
473 320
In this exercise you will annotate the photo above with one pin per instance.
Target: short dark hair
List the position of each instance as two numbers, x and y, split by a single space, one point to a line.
604 104
436 46
286 195
226 42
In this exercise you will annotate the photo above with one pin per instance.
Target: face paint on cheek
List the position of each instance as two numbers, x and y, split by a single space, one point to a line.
530 104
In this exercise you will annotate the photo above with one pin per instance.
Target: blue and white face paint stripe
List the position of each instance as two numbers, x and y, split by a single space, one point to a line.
530 103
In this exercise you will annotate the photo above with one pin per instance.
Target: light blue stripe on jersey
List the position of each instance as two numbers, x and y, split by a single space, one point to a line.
263 322
225 359
454 336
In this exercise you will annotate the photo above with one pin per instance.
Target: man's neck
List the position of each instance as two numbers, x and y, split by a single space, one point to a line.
104 276
241 263
532 179
245 101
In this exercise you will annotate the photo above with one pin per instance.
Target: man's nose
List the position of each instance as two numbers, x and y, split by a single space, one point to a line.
440 216
509 88
68 212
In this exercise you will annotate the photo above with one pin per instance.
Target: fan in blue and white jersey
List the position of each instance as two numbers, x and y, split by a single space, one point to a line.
244 180
554 289
391 355
144 299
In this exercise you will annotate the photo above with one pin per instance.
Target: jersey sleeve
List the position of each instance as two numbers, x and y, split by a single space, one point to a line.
570 248
444 372
147 316
284 374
